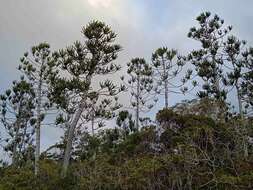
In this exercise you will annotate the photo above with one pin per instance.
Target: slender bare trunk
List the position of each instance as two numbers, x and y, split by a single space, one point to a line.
22 144
165 78
37 129
138 103
14 151
245 146
245 136
166 87
239 101
219 106
92 123
70 137
166 94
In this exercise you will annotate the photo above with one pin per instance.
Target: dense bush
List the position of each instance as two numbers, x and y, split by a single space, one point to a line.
193 152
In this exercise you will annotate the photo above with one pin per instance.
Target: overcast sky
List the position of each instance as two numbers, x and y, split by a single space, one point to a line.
141 25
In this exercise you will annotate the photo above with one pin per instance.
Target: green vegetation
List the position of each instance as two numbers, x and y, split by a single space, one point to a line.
194 153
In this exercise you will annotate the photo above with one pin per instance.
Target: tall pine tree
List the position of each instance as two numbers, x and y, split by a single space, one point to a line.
167 66
140 85
37 65
17 108
79 64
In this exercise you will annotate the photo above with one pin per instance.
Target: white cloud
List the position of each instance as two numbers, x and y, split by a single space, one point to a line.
100 3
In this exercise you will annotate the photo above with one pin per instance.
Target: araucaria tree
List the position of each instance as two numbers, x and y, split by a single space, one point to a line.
17 116
37 65
247 84
167 66
234 56
222 60
79 64
209 59
140 85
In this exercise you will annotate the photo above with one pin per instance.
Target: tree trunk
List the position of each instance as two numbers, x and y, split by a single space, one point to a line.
22 144
165 84
245 136
14 151
37 130
138 103
239 101
92 123
166 94
70 137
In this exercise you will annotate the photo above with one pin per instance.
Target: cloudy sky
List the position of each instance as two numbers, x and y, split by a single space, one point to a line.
142 26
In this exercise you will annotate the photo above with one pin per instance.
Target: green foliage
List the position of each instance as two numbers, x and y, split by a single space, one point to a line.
196 153
208 60
17 108
125 122
24 178
81 62
13 178
140 85
167 66
247 84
